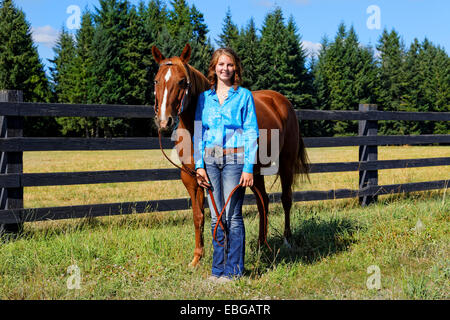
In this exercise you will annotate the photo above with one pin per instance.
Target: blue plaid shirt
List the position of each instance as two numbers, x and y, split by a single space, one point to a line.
230 125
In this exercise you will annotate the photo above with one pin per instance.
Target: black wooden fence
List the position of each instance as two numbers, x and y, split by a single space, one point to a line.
13 144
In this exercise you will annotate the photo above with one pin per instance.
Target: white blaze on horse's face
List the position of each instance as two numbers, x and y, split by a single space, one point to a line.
170 87
164 102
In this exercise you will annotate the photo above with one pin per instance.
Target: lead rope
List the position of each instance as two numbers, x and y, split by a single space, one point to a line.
194 174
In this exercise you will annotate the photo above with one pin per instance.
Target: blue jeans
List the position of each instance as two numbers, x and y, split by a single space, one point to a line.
224 175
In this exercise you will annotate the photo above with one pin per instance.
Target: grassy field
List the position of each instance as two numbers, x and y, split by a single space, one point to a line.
146 256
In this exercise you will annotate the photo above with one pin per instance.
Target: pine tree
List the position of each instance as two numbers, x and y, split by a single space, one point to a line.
155 18
110 82
83 76
199 27
298 85
83 59
179 19
272 68
433 86
20 66
248 46
441 86
321 91
62 72
186 25
346 76
391 75
230 33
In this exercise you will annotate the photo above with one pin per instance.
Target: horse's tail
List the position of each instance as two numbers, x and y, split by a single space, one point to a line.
301 165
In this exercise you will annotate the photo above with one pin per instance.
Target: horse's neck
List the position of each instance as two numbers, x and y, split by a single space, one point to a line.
199 83
187 117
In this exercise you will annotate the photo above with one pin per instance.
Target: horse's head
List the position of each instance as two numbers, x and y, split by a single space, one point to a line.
172 86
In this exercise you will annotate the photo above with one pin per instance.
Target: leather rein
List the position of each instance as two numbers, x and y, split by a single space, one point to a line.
195 175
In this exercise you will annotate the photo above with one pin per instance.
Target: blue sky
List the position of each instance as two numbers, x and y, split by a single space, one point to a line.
315 18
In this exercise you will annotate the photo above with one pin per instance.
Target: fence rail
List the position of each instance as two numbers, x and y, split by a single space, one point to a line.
18 144
133 111
16 180
13 144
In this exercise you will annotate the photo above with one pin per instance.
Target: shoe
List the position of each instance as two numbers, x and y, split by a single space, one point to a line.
213 278
224 279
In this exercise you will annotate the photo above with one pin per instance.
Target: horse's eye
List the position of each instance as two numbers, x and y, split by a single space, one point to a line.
155 82
182 82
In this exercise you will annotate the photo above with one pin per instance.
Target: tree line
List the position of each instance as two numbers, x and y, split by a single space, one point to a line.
108 61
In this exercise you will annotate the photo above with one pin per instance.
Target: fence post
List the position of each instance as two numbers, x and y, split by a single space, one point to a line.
11 162
368 153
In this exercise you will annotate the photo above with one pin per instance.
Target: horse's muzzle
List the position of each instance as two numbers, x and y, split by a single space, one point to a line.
165 124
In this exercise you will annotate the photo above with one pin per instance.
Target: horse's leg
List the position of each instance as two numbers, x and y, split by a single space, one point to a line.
197 199
286 178
258 182
199 222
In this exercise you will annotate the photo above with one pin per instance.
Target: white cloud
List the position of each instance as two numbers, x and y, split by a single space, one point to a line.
45 35
311 48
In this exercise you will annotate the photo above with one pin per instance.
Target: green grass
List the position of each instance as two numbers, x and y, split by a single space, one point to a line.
146 256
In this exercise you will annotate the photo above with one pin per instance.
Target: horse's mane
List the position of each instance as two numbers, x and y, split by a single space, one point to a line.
199 82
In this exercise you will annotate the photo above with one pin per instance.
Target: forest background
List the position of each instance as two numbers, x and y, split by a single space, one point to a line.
108 61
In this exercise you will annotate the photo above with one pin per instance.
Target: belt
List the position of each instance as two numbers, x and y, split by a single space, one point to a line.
218 152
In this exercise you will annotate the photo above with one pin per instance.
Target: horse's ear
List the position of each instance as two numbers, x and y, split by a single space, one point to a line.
186 54
157 55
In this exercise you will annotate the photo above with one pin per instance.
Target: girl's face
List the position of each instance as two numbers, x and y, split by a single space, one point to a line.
225 69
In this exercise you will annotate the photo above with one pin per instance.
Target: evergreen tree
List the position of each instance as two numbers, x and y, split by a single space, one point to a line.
179 22
391 75
272 68
186 25
62 72
412 97
83 76
156 16
427 85
248 46
441 88
20 66
199 27
230 33
110 83
346 77
321 91
298 85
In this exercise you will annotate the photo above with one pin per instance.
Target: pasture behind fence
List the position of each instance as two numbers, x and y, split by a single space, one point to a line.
13 144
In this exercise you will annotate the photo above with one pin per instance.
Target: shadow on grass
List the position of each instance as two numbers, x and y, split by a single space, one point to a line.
312 240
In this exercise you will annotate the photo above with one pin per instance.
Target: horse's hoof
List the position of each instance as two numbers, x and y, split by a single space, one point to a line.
194 263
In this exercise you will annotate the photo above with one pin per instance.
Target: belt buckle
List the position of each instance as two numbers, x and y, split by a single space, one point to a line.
217 152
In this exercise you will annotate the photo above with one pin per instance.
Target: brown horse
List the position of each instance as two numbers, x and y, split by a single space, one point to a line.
177 87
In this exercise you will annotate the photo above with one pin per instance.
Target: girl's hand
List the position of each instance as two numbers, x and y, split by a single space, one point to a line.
246 179
202 182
